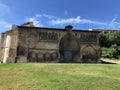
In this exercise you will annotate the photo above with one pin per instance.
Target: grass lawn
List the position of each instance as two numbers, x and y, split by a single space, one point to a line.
36 76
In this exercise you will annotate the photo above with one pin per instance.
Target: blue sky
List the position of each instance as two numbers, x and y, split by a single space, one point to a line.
81 14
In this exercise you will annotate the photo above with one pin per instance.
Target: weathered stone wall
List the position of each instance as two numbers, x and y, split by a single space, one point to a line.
89 46
39 45
42 45
34 44
9 51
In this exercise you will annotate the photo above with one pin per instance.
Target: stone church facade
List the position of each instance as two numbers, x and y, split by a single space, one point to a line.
27 43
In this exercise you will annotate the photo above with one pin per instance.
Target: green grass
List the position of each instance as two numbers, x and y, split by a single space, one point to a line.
35 76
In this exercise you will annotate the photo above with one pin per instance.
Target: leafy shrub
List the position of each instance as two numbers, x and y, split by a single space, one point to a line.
112 52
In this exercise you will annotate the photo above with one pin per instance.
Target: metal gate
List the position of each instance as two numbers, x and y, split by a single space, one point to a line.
68 56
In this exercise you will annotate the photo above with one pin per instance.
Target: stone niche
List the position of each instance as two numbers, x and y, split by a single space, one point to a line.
43 56
89 54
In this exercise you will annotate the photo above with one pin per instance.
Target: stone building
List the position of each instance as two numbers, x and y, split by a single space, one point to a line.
27 43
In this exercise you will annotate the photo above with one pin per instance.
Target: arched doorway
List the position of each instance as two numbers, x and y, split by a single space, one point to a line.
89 55
69 48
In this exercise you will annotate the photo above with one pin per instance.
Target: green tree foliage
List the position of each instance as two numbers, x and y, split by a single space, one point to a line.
107 40
111 39
102 39
111 42
113 51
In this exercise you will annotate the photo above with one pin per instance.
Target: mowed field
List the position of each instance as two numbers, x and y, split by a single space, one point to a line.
36 76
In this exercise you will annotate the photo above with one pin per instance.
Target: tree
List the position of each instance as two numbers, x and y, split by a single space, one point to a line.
111 39
113 51
107 40
111 42
102 40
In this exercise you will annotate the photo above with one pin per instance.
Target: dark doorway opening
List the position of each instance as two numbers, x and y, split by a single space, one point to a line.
68 56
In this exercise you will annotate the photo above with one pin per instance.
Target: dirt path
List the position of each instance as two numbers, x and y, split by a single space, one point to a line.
110 60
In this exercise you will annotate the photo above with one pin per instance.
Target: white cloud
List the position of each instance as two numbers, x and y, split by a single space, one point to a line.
92 22
65 21
36 22
41 20
76 20
114 24
45 16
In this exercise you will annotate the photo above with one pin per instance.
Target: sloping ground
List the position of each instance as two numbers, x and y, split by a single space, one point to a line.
36 76
110 61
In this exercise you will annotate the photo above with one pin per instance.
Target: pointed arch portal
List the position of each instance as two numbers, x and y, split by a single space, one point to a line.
69 48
